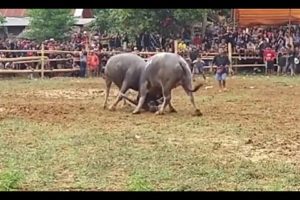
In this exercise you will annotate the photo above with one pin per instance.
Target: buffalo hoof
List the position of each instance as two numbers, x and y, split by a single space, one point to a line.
136 112
105 107
173 111
159 112
112 108
197 113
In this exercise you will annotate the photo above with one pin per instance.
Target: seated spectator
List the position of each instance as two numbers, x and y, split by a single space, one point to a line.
198 65
181 47
241 47
250 49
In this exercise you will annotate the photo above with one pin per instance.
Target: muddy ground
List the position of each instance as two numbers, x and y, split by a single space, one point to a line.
54 135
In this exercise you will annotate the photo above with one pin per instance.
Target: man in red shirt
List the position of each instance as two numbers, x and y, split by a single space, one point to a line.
269 58
93 63
197 41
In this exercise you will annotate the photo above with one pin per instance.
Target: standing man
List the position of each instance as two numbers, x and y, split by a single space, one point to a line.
292 60
93 63
281 60
222 62
83 63
269 58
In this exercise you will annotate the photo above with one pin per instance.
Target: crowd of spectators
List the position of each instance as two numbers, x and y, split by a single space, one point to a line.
246 42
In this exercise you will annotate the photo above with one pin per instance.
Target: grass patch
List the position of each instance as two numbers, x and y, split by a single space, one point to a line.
241 143
10 180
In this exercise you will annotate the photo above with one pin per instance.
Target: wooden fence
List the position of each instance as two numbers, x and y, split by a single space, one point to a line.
43 58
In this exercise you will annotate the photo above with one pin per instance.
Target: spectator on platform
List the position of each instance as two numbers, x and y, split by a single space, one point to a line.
197 41
182 48
198 65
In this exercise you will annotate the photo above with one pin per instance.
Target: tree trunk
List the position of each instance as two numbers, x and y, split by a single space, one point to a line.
204 22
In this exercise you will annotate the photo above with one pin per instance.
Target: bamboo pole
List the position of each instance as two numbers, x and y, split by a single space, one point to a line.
26 61
290 13
10 71
234 19
20 59
71 52
43 62
176 46
230 57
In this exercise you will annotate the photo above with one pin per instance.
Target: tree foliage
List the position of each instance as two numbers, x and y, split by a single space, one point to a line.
50 23
2 19
134 21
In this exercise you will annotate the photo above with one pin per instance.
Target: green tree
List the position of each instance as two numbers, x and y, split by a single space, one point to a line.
2 20
134 21
2 28
50 23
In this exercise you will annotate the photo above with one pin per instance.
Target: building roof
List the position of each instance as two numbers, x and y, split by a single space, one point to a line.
84 21
24 21
83 13
16 21
246 17
13 12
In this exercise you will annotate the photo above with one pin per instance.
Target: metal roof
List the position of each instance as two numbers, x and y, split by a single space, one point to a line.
83 21
16 21
84 13
24 21
13 12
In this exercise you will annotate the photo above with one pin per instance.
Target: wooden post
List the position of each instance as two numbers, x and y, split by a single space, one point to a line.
230 57
234 20
43 62
290 13
176 46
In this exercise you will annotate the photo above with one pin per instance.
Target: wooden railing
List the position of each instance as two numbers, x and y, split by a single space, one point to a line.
42 59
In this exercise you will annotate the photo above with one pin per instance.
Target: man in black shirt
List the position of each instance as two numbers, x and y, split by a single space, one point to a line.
293 59
281 60
221 61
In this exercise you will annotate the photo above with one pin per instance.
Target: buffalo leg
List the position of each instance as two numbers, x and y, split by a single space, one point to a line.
108 85
172 109
124 102
167 99
129 100
123 90
143 94
196 110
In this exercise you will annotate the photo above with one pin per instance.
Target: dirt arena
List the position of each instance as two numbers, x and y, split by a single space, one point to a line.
54 135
